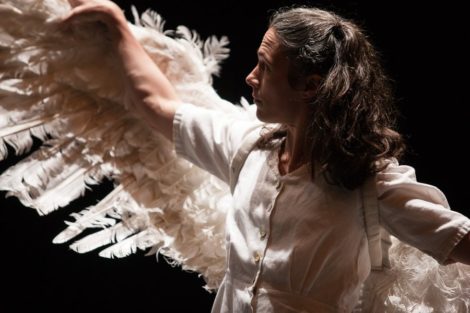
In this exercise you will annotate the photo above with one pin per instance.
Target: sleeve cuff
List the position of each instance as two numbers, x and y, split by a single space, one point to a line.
463 230
177 123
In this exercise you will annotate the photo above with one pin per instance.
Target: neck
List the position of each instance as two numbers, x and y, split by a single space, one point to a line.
294 152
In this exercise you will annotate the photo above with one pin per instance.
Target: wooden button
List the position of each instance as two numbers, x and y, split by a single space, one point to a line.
256 257
262 233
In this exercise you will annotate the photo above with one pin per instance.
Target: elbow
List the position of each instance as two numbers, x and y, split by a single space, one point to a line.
159 115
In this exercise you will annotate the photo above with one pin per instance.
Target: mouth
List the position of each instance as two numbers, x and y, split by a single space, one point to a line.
256 100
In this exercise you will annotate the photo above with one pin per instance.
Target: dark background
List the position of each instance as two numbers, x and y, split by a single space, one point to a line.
422 50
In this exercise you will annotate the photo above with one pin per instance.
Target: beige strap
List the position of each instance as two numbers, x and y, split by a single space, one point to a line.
372 223
240 156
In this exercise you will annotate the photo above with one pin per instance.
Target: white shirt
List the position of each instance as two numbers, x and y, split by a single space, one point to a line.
297 245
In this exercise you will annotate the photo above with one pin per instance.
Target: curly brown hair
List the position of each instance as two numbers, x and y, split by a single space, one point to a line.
352 115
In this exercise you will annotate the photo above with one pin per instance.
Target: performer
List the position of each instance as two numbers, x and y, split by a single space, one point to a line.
295 237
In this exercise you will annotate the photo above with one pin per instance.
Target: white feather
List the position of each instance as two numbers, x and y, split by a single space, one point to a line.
92 217
143 240
416 283
215 51
117 232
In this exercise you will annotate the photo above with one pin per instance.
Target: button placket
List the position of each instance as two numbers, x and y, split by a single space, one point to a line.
263 235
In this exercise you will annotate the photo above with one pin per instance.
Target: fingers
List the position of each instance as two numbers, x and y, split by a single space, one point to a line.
78 17
76 3
86 11
72 17
99 12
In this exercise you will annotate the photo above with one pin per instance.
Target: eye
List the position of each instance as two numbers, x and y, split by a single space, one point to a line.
262 66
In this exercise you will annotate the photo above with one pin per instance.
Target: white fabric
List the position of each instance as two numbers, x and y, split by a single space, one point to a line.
297 245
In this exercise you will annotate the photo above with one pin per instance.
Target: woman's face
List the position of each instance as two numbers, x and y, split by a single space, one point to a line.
276 100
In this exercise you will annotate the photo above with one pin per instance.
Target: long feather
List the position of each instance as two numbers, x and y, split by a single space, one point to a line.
25 125
30 169
117 232
143 240
89 217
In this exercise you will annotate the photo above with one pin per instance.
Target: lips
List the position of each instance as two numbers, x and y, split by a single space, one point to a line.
255 99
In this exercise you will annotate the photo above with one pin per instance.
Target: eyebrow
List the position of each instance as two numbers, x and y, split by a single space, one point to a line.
262 56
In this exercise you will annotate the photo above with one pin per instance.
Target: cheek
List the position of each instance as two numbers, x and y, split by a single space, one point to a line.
272 87
279 95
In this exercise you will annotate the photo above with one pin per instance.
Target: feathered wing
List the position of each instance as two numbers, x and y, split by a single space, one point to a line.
414 282
63 89
428 286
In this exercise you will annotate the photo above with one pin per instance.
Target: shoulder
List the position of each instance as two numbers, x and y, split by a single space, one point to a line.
400 180
391 171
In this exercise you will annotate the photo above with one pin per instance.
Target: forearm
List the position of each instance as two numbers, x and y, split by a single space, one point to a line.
148 89
461 252
150 93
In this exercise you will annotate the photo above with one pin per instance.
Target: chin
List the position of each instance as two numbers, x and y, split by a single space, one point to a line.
265 117
260 115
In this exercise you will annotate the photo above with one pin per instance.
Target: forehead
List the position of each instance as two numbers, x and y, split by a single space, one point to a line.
270 45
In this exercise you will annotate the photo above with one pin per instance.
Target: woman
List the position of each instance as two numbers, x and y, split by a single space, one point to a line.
295 237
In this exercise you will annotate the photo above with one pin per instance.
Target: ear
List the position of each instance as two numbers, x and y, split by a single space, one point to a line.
311 85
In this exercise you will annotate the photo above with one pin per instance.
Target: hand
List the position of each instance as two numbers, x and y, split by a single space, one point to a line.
96 11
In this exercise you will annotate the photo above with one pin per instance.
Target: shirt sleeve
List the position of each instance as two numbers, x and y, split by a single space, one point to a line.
418 214
209 138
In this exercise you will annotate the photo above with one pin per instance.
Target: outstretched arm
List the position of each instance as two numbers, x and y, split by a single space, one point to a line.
419 215
149 91
461 252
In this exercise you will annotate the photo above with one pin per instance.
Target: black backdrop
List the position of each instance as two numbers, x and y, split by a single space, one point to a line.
422 51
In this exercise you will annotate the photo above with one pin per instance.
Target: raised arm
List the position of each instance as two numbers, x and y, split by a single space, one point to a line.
149 91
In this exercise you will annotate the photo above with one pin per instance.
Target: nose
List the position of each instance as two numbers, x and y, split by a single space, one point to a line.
251 79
